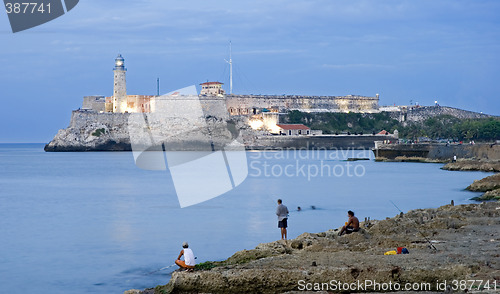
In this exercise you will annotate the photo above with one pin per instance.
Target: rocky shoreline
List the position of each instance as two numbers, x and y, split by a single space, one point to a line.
465 238
474 165
490 185
449 243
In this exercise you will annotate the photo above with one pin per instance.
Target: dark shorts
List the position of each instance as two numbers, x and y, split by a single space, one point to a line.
283 223
350 229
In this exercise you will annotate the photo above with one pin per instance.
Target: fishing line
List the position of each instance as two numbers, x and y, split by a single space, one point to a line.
425 237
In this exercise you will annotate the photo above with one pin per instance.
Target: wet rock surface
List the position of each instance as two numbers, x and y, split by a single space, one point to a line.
465 238
474 165
490 185
487 184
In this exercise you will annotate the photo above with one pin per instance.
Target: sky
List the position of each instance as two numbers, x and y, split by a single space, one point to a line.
406 51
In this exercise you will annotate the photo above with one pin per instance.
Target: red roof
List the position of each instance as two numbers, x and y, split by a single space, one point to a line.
293 127
383 132
212 83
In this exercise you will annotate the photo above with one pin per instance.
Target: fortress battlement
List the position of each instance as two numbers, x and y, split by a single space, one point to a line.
350 97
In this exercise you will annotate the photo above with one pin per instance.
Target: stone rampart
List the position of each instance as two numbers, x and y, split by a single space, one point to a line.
251 104
435 151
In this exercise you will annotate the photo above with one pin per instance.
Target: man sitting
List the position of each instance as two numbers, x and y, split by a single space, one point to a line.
352 224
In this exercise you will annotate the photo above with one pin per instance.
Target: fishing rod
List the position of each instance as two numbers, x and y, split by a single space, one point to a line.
163 268
425 237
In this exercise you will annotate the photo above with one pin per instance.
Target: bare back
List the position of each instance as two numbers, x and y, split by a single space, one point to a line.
353 222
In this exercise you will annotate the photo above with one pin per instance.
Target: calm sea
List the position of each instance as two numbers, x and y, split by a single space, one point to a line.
95 223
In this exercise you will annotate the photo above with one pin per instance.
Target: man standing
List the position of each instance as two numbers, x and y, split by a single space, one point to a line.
188 263
352 225
282 213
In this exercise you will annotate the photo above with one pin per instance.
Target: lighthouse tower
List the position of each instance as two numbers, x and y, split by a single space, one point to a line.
120 86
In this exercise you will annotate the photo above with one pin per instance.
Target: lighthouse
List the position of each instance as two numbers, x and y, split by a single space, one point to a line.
120 85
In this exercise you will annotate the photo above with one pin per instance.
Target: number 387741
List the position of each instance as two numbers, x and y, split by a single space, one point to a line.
24 8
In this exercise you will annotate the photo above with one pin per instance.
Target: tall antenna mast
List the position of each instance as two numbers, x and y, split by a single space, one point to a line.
230 69
157 86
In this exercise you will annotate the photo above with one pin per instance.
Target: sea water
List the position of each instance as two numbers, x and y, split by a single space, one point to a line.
96 223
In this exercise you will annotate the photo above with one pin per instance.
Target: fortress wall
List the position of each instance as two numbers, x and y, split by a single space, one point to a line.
365 142
214 106
439 151
88 119
477 151
244 104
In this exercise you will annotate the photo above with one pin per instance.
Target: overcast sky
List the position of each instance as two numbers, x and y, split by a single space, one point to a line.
422 51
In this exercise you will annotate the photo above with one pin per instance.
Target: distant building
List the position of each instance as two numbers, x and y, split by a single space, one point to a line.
247 105
293 129
212 89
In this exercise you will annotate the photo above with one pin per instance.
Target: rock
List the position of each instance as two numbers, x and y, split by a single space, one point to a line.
487 184
462 234
474 165
490 195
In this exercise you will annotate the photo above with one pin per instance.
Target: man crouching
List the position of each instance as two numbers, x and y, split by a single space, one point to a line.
188 263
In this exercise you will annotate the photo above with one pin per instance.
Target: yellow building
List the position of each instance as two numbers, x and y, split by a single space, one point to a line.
212 89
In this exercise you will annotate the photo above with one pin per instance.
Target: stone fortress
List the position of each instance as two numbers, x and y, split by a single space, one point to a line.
103 123
246 105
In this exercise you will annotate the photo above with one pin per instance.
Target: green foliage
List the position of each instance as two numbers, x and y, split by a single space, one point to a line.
334 123
99 132
205 265
447 127
439 127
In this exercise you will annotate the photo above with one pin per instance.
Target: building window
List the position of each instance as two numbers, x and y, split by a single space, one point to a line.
289 132
300 132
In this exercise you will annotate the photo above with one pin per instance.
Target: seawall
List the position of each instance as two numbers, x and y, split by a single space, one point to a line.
435 151
326 142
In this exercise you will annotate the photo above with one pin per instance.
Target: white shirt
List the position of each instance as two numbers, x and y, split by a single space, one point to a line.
189 257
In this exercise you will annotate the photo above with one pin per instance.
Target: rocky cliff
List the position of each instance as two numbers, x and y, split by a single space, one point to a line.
420 114
91 131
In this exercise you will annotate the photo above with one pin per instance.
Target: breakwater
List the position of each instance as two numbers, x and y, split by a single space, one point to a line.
325 142
438 151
